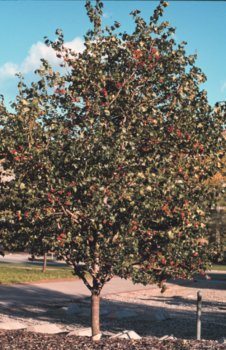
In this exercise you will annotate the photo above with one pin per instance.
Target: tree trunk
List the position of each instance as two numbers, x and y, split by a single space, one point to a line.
218 226
95 316
44 262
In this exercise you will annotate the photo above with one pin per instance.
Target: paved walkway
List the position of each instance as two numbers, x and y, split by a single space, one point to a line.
56 291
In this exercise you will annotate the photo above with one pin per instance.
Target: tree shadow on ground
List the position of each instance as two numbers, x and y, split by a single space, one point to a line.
179 300
40 304
215 281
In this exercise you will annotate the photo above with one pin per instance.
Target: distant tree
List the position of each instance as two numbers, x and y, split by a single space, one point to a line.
218 213
22 135
112 157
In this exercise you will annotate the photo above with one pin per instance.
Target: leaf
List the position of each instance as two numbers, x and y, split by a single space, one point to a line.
22 186
24 102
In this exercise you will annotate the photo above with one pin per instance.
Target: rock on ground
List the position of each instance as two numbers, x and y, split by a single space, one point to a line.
45 328
127 335
12 325
83 332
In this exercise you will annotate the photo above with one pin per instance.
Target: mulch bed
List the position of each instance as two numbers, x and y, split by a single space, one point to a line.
22 340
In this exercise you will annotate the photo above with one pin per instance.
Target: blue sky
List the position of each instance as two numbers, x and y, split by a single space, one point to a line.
23 24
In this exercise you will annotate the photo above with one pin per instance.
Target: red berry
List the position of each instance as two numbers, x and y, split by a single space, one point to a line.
179 133
153 50
170 128
119 85
137 54
104 92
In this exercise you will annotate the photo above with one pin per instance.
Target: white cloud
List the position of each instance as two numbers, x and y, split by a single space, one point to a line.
8 70
76 44
223 87
32 61
36 52
106 15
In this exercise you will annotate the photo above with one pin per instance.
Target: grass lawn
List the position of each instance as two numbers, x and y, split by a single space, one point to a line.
219 267
22 273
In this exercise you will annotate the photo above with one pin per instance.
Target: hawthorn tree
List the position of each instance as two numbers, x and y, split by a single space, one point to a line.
112 156
22 136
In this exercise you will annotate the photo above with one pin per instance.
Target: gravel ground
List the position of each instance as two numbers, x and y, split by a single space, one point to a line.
180 303
21 340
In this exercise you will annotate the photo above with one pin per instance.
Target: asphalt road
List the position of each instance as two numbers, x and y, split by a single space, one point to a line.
24 258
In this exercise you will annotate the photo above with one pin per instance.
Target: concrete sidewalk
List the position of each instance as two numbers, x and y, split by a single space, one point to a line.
61 290
77 287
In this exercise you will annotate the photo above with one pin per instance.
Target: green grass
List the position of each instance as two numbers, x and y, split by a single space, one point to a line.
219 267
23 273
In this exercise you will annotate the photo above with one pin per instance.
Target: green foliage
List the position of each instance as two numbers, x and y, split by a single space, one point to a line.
111 158
217 220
